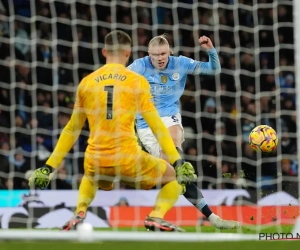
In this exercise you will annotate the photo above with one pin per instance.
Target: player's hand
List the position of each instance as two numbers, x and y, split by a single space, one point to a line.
41 177
205 42
185 172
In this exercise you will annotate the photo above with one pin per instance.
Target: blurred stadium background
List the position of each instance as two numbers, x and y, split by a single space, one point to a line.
47 47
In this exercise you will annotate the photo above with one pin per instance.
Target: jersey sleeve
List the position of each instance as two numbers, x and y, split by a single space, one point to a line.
79 97
137 66
144 98
194 67
70 133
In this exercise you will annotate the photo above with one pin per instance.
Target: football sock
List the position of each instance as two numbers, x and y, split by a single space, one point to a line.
87 192
166 199
194 195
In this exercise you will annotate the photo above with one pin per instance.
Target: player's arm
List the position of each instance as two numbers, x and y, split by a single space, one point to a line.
42 176
212 67
68 137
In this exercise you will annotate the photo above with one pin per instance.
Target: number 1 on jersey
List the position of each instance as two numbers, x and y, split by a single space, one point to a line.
109 101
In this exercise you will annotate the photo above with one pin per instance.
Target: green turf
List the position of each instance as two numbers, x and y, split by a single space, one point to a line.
265 245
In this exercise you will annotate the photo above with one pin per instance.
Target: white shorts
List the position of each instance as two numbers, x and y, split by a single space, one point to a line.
148 139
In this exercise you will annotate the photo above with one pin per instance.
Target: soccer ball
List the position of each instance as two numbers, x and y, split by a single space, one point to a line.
263 139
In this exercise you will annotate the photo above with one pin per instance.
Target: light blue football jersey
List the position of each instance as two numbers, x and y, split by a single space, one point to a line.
167 85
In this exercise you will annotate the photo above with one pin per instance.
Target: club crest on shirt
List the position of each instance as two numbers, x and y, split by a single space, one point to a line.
164 78
175 76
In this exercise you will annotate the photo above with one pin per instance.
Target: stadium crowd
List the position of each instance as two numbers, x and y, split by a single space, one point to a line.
39 75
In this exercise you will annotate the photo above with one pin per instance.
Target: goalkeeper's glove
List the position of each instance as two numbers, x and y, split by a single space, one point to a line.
41 177
185 172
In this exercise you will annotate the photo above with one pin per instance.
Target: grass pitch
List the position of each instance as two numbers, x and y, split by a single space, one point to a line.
153 245
244 245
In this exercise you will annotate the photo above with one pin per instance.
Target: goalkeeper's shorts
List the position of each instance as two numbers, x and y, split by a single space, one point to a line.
143 173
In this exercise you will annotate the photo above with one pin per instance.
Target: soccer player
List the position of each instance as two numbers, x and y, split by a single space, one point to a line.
167 77
109 98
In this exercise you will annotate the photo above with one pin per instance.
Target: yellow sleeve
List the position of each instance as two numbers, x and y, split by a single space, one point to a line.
162 135
151 116
69 134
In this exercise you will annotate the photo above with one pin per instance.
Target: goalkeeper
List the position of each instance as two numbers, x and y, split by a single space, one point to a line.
167 76
110 98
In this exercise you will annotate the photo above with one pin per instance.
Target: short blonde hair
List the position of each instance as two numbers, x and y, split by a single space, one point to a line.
160 40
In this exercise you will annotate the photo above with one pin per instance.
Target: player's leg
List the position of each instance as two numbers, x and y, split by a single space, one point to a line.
165 200
169 192
152 171
87 192
149 142
193 194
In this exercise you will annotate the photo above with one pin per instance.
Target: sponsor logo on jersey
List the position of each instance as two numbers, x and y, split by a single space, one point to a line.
175 76
164 78
161 89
